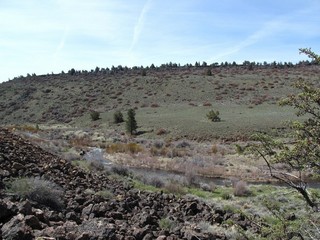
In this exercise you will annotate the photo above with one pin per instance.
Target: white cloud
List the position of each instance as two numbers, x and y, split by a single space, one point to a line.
60 46
140 23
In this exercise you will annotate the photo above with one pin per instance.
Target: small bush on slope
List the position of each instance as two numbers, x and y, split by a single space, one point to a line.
38 190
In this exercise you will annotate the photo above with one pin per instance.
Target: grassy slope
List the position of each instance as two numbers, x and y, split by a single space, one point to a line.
190 122
246 99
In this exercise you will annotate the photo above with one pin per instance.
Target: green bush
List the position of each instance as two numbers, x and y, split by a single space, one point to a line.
143 73
118 117
213 116
38 190
120 170
95 115
151 180
226 196
240 149
166 224
104 193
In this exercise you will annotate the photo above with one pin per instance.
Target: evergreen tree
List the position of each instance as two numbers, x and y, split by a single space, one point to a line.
131 122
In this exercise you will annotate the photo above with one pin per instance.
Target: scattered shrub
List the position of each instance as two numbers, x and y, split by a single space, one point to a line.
166 224
158 144
160 151
226 196
96 165
153 181
206 227
208 72
104 193
154 105
118 117
213 116
84 165
120 170
214 149
156 182
84 141
176 152
175 188
70 157
207 104
134 148
28 128
161 131
38 190
95 115
191 177
89 191
239 149
183 144
207 187
143 73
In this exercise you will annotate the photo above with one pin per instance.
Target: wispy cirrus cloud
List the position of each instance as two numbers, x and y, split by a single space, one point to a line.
140 23
287 28
269 29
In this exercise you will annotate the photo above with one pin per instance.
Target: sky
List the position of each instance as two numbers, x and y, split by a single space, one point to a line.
45 36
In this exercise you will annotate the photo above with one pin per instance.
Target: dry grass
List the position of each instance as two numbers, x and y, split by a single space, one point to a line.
132 148
175 188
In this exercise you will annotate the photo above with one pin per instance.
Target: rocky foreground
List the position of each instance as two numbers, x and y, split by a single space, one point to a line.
126 213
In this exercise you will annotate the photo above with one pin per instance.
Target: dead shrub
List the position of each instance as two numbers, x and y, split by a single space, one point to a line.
241 189
161 131
28 128
96 165
175 152
214 149
152 180
132 148
209 187
81 141
159 151
191 177
175 188
183 144
70 156
158 144
154 105
207 104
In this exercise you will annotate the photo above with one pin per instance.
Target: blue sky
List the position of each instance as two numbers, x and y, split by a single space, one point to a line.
44 36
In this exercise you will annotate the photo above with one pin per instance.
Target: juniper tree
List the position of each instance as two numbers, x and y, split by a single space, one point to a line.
131 123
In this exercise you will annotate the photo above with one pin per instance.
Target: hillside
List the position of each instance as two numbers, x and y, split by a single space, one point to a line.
182 176
162 98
